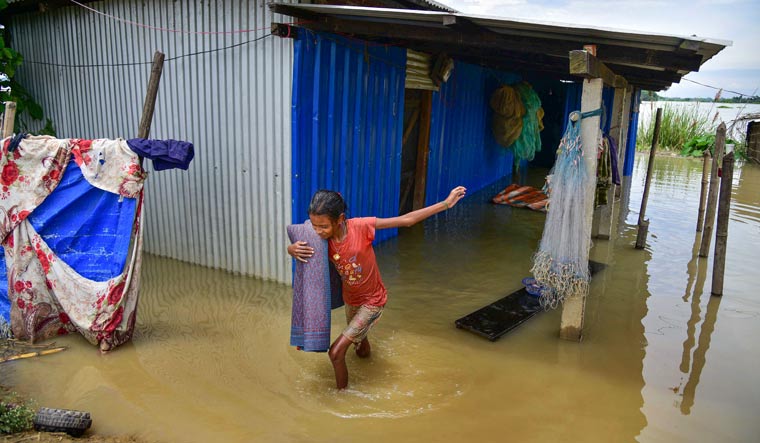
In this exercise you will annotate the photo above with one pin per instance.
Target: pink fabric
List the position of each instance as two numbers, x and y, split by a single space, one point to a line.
47 296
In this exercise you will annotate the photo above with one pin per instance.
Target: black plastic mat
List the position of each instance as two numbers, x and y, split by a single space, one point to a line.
503 315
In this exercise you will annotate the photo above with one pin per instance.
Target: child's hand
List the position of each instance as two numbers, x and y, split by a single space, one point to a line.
300 250
455 195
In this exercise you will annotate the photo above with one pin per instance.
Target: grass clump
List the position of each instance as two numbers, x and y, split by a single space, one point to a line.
15 416
679 125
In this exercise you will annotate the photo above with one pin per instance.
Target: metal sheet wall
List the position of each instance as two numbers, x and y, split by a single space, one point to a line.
348 108
230 208
463 150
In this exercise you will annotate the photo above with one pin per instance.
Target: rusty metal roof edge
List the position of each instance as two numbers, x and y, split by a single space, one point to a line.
516 23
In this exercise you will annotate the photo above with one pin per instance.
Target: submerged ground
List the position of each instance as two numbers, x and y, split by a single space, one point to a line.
661 360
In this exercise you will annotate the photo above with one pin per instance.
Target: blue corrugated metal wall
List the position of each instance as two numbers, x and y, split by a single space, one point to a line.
348 109
633 127
462 148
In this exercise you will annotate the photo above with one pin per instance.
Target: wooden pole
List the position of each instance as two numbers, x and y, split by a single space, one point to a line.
604 227
703 191
423 150
712 196
9 119
150 96
641 237
721 227
573 309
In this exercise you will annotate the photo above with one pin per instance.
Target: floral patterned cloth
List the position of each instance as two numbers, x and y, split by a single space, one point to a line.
47 296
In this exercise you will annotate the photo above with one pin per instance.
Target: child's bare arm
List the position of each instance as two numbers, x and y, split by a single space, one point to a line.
417 216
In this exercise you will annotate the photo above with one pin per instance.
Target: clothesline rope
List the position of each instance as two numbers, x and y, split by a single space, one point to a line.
110 65
158 28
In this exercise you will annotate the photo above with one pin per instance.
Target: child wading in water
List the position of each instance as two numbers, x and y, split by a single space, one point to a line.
350 249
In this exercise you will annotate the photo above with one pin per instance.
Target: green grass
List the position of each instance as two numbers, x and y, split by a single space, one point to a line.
679 125
15 416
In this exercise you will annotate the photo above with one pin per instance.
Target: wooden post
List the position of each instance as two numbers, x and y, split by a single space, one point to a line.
641 237
703 191
9 119
721 227
150 96
573 309
712 196
604 227
423 150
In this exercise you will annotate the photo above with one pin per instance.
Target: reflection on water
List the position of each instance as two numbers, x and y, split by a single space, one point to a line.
661 360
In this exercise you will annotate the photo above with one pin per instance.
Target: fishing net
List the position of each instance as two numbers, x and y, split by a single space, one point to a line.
561 264
506 129
508 113
507 102
529 141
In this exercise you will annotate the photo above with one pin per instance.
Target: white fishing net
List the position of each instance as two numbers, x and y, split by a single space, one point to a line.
561 264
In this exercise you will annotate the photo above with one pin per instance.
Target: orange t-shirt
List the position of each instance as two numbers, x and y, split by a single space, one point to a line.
355 261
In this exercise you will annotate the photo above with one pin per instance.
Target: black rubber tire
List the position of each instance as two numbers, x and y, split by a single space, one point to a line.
74 423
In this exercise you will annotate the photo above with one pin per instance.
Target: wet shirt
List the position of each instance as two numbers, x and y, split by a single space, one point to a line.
355 261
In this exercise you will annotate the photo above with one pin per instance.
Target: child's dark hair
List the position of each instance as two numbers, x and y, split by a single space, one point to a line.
329 203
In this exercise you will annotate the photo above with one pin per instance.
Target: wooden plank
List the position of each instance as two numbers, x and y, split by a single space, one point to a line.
423 150
504 315
585 65
573 309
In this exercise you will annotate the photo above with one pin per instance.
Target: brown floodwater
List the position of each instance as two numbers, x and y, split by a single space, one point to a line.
661 360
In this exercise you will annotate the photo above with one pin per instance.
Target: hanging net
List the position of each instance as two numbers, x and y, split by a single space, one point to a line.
508 113
561 264
529 141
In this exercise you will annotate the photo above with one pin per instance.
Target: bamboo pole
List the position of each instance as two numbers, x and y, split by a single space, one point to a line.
31 354
703 191
712 197
149 106
9 119
641 237
721 227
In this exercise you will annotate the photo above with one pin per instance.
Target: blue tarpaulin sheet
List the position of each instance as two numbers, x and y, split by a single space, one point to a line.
88 228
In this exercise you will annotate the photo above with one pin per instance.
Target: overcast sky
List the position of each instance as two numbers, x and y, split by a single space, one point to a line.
735 68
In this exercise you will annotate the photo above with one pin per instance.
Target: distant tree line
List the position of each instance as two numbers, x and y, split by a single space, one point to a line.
652 96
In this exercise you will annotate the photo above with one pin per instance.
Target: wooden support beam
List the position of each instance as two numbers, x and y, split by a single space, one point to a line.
721 228
712 196
585 65
284 31
573 309
703 189
149 105
641 236
604 226
9 119
423 150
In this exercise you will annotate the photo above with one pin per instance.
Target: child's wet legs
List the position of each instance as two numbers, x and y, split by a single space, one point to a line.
364 349
337 355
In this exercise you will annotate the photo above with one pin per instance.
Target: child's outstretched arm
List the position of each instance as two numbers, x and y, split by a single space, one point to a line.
417 216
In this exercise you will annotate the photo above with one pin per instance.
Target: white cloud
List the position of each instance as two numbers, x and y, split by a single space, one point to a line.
735 20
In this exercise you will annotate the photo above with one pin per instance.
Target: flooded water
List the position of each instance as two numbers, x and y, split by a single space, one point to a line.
661 360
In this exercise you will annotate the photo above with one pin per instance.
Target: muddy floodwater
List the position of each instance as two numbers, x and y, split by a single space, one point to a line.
661 360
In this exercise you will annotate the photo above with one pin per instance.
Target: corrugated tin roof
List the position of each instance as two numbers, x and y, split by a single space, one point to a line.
652 61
